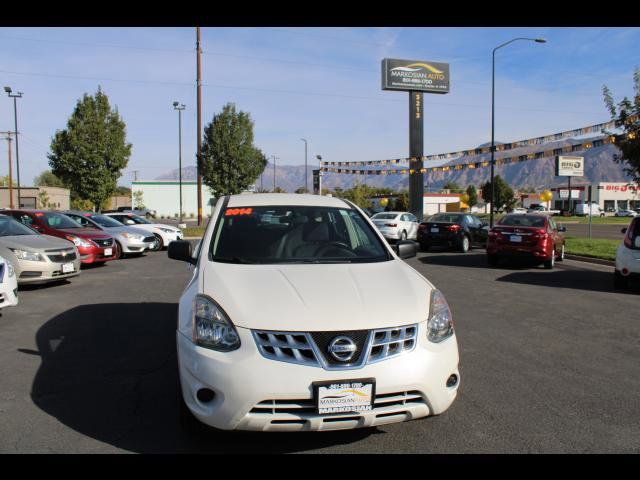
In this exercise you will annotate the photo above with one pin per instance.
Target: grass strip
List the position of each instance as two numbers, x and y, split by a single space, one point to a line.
596 247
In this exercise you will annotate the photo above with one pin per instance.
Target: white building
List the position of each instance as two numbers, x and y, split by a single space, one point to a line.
609 196
163 196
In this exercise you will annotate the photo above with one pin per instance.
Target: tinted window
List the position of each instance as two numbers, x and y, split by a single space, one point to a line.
22 218
82 221
446 217
538 221
291 234
105 221
57 220
9 226
384 216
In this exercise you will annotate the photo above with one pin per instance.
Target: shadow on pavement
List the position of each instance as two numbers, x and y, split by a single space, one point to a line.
473 259
109 372
589 280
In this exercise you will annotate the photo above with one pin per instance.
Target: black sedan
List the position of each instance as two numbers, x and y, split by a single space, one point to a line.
454 230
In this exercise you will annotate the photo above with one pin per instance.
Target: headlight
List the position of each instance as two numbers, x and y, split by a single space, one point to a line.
167 230
77 241
440 323
211 327
132 236
24 255
10 269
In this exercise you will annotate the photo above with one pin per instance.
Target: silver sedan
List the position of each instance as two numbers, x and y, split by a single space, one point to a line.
36 258
130 240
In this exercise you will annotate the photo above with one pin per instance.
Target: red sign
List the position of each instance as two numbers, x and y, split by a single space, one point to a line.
232 212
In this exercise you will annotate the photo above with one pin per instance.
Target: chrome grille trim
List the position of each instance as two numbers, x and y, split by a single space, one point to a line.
300 348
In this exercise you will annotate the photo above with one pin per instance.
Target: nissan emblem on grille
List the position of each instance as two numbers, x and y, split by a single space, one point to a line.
342 348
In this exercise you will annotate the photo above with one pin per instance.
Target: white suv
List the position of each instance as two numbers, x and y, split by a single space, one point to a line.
628 255
313 322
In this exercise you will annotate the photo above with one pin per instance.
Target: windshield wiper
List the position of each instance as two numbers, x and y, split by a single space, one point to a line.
315 260
233 260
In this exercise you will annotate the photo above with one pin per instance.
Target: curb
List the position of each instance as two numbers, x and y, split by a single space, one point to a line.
597 261
192 238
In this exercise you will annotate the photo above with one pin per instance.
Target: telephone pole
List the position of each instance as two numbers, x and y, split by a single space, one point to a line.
199 153
8 138
135 175
274 171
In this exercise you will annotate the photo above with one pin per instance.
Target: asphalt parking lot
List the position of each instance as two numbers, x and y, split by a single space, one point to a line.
550 363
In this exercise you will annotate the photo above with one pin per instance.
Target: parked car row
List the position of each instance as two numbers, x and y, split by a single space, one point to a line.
518 235
39 246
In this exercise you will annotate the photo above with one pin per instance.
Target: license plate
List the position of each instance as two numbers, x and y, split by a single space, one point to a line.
108 252
67 267
344 395
516 238
435 230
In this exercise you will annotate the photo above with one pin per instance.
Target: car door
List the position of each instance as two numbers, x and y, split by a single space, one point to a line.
553 232
482 234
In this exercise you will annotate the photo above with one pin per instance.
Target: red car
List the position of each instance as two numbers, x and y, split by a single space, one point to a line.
534 236
93 245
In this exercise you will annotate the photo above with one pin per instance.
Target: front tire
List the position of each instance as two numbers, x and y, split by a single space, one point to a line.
561 256
157 244
120 254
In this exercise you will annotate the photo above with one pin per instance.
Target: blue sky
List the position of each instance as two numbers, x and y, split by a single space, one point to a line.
322 84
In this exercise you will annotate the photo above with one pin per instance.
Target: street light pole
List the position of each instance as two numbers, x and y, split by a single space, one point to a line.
179 107
493 91
306 183
274 172
15 96
319 174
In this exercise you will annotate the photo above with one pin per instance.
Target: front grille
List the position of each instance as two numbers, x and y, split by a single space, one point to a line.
60 257
28 274
103 242
305 408
311 348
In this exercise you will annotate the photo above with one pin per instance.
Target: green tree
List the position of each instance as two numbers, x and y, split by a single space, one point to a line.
123 191
473 195
91 152
138 200
627 115
43 199
402 202
504 197
301 190
4 181
453 186
48 179
230 161
279 190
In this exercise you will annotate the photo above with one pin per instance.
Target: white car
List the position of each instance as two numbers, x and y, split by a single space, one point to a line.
628 255
520 210
164 234
622 212
396 225
292 328
8 284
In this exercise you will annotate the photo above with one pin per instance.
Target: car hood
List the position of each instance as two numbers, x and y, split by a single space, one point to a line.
34 242
126 229
85 232
317 297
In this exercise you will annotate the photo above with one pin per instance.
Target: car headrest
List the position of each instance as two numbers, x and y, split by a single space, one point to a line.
315 232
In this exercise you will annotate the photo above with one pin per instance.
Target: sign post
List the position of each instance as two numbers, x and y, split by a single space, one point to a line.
568 166
415 77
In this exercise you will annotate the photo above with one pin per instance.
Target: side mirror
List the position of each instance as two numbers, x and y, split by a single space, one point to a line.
624 230
562 229
406 248
181 250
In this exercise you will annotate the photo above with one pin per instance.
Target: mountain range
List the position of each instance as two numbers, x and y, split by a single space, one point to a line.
538 174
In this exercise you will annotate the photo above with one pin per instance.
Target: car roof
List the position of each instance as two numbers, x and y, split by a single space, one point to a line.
285 199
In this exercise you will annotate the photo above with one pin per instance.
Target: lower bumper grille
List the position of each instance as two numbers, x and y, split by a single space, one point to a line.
150 239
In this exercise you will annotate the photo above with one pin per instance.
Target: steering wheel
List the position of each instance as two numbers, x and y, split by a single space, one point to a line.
335 244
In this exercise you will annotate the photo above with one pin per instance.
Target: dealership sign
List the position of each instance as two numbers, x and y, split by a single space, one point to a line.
569 166
415 75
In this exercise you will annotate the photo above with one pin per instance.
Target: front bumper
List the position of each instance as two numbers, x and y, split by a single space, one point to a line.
90 255
28 272
133 246
8 294
409 386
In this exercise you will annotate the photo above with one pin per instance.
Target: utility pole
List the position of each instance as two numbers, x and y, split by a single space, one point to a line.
8 138
199 153
135 175
179 107
306 182
15 96
274 172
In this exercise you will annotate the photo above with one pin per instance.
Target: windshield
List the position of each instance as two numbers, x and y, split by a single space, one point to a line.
295 234
384 216
446 218
537 221
9 227
137 219
57 220
105 221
